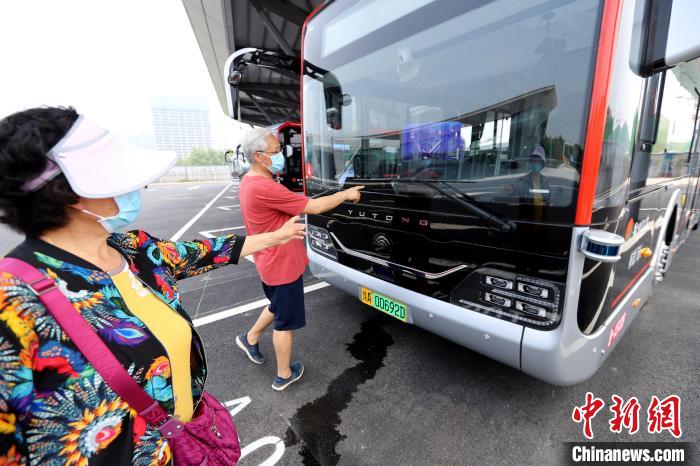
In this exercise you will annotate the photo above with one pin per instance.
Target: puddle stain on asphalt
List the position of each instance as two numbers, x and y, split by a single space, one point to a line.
316 423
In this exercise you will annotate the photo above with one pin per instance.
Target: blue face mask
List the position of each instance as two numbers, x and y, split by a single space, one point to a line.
277 163
129 208
535 167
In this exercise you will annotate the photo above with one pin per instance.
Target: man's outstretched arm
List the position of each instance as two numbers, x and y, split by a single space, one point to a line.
330 202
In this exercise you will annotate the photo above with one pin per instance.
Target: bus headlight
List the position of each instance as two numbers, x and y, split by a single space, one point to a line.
529 301
320 241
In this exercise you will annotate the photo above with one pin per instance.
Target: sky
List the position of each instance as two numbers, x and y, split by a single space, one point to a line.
106 59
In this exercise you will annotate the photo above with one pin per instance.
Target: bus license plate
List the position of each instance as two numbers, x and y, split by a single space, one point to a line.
384 304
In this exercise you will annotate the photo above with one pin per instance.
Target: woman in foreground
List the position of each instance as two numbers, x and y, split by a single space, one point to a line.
68 186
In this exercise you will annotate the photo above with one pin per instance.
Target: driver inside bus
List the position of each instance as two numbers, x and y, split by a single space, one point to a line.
534 185
420 167
532 188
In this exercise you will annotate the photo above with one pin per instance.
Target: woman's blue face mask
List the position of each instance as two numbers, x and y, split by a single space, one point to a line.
536 167
129 208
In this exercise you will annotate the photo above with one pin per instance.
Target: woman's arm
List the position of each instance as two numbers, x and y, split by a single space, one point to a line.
17 381
191 258
290 231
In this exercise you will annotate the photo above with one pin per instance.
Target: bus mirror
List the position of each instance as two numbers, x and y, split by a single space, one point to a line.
664 35
335 99
288 150
228 156
332 93
651 108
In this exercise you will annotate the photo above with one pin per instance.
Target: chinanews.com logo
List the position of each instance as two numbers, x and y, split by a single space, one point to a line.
662 415
659 415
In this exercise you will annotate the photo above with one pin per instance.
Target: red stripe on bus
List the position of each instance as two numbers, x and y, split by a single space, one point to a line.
301 89
629 285
596 115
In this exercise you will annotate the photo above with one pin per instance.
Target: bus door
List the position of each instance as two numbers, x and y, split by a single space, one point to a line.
691 200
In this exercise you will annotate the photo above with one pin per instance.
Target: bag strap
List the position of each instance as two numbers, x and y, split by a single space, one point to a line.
91 345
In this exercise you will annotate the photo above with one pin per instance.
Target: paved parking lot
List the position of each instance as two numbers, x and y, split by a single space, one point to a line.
377 391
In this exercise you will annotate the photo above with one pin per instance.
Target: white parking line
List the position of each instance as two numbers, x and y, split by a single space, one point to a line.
193 188
182 230
229 207
208 233
208 319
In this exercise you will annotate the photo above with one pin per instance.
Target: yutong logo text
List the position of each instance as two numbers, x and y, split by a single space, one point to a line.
388 217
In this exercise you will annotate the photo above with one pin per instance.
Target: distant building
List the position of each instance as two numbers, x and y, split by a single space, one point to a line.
181 124
145 141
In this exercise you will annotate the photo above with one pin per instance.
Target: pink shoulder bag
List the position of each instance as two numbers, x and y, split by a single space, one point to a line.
210 438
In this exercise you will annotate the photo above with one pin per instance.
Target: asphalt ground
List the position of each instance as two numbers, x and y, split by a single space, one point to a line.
380 392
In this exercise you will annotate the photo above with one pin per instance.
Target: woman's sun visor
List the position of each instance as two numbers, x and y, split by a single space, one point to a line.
99 164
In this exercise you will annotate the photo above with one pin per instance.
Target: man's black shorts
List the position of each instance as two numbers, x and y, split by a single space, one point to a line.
287 304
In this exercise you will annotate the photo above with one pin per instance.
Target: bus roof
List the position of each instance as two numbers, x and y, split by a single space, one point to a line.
223 27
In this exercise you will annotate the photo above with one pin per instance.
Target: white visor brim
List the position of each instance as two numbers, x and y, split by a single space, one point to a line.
99 164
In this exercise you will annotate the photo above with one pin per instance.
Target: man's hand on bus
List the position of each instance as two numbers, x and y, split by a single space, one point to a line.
326 203
353 194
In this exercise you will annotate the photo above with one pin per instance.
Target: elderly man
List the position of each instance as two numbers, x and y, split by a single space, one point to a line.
266 205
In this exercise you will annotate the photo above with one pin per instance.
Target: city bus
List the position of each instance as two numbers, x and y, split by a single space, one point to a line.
530 167
236 162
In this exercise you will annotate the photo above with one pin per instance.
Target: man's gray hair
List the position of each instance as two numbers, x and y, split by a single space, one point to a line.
255 141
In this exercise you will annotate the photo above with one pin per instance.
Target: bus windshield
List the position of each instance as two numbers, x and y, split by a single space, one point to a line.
490 96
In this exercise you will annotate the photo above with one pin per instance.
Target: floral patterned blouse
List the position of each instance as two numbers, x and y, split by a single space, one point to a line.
55 409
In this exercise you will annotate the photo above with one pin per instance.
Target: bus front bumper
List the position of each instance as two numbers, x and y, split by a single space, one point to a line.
495 338
561 356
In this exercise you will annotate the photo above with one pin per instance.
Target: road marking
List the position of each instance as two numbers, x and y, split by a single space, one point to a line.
230 197
208 319
182 230
271 440
208 233
193 188
237 405
229 207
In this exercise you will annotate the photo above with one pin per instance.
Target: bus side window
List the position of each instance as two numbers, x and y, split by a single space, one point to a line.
669 153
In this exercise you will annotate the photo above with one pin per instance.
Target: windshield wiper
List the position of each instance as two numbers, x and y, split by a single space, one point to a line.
336 189
464 201
326 192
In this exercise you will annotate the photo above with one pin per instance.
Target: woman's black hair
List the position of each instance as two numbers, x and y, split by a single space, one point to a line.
25 140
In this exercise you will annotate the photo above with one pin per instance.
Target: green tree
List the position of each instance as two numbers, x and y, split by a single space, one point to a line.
609 125
203 157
